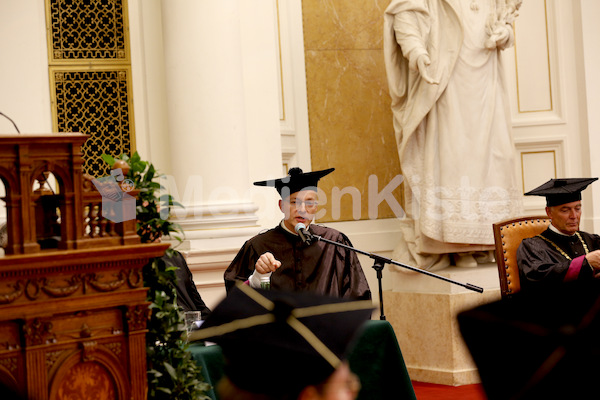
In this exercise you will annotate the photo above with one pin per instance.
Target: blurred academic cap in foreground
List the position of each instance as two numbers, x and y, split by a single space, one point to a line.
561 191
540 344
276 341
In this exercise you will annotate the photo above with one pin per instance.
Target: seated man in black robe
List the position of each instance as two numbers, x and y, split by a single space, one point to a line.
292 262
562 252
188 297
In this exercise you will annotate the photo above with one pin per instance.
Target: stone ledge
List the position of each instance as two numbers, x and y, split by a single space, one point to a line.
422 311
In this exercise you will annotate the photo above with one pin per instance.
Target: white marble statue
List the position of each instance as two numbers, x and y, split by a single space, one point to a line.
452 125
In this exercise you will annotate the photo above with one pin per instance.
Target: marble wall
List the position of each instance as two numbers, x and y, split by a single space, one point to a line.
350 119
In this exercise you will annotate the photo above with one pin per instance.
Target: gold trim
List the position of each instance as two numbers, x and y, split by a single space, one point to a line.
280 63
332 308
585 248
549 68
228 327
535 152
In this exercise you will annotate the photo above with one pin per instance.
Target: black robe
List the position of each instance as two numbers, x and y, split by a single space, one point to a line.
188 297
320 267
542 264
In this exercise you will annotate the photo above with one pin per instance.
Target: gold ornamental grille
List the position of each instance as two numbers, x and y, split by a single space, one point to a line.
90 76
87 29
95 103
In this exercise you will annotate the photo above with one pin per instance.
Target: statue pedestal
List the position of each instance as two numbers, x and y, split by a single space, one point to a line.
423 311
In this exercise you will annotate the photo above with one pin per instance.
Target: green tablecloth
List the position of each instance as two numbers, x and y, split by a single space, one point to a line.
376 358
210 358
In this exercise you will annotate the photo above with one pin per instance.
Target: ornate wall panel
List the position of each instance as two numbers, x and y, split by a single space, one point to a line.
90 76
540 160
87 30
532 67
543 82
532 60
97 102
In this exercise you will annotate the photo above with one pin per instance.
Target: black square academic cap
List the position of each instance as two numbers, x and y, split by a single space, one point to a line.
561 191
280 342
295 181
540 344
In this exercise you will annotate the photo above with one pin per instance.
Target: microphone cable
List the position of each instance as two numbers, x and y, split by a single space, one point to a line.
13 122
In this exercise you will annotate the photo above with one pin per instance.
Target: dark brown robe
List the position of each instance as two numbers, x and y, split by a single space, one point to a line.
320 267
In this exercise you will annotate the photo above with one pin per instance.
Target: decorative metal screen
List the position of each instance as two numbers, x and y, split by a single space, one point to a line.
90 76
87 29
95 103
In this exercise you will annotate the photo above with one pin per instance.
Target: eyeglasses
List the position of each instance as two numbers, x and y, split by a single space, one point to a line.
308 204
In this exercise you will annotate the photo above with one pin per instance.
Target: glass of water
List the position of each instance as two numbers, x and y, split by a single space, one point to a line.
192 319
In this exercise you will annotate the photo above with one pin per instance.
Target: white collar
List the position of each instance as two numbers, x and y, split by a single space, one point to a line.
554 229
282 223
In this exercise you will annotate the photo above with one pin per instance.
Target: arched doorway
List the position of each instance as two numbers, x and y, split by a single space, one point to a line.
46 196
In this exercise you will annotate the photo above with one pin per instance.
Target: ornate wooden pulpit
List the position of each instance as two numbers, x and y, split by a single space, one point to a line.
73 307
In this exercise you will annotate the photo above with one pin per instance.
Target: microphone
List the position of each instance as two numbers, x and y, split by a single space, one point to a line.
304 234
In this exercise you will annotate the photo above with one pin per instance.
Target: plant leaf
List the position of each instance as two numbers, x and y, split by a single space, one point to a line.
108 159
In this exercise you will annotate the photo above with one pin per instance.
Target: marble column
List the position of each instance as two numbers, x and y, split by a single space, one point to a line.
206 113
223 125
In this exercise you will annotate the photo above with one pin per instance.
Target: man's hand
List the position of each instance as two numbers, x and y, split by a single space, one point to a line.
593 258
267 263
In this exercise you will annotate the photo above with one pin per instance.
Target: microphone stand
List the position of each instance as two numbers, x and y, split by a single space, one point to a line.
379 263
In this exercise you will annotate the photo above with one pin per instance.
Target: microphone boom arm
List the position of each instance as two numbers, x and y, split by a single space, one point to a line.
380 263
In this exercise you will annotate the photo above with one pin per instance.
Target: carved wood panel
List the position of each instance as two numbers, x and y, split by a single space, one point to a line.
65 314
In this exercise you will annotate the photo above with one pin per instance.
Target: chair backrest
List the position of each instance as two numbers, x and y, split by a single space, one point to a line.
508 236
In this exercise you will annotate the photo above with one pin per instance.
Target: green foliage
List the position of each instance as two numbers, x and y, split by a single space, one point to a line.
172 373
152 208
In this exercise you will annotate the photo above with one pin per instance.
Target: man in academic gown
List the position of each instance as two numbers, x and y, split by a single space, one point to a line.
296 263
562 252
